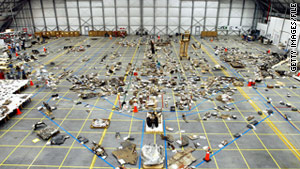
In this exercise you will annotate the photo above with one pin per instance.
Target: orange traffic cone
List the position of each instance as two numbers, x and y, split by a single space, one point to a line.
298 74
17 54
45 50
226 50
31 83
250 83
135 110
135 74
110 37
269 51
211 39
207 159
18 111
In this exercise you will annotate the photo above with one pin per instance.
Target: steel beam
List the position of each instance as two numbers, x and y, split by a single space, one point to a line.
116 21
67 15
128 11
241 21
179 25
268 24
254 17
141 15
229 16
55 14
42 6
103 16
217 18
91 13
167 25
154 16
191 29
205 10
79 18
283 24
32 20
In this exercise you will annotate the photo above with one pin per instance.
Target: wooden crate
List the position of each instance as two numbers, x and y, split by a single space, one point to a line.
91 33
76 33
38 34
71 33
52 33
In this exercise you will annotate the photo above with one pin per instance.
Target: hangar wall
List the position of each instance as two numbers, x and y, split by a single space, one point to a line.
155 16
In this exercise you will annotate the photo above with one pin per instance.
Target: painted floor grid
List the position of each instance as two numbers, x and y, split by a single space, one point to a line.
275 143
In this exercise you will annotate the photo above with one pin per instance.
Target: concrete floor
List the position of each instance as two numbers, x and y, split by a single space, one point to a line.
274 144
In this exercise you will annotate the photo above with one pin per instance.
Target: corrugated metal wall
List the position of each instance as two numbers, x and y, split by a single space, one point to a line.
158 16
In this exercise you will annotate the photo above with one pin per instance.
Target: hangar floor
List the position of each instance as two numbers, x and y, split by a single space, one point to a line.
274 144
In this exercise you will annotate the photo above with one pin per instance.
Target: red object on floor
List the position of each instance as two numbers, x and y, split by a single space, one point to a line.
226 50
45 50
31 83
207 159
269 51
135 74
211 40
2 75
135 110
17 54
298 74
18 111
249 83
253 83
158 37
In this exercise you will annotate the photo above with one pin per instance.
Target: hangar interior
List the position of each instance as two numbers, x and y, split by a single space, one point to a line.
152 84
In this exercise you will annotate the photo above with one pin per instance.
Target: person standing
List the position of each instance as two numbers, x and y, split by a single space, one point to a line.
18 46
23 72
18 69
152 46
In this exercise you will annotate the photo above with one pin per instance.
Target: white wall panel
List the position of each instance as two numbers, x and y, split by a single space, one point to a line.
174 3
211 21
135 12
85 12
134 3
62 21
173 21
161 14
173 12
199 12
59 3
236 13
72 12
212 4
148 12
148 3
199 4
211 12
71 4
161 3
160 21
122 12
61 12
224 12
122 21
148 21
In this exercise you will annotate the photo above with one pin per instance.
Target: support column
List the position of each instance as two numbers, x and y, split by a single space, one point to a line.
128 11
79 18
55 14
283 24
67 15
42 6
179 26
205 10
229 16
116 21
167 25
217 18
91 13
32 20
191 29
103 15
241 21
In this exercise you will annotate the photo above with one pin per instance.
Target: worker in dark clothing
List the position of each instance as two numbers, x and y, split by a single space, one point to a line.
152 46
